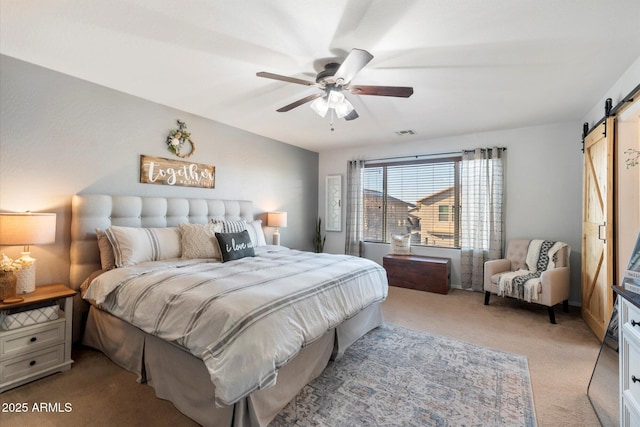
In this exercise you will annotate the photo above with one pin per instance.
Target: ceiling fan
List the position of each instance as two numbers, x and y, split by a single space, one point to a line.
333 80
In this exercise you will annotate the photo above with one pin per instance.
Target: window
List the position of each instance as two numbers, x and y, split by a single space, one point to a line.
443 213
420 197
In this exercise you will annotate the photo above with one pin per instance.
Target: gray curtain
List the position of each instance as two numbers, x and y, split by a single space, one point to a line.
481 217
355 208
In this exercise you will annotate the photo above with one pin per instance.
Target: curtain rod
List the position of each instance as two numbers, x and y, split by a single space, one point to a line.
484 149
423 155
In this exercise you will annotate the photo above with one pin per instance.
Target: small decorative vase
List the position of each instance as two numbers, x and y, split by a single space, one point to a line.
8 282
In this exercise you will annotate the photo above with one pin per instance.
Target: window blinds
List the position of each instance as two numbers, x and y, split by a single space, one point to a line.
420 197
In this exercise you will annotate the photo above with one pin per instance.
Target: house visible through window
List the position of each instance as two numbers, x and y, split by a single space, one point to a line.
420 197
443 213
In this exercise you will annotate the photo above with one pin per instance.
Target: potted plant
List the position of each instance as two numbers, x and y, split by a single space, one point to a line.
318 238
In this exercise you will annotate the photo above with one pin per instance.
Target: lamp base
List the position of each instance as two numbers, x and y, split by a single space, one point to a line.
26 276
276 238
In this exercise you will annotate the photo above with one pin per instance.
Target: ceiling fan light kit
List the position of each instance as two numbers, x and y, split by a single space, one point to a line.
332 81
320 106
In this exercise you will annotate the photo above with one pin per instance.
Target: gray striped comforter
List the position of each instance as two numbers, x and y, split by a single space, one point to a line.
244 318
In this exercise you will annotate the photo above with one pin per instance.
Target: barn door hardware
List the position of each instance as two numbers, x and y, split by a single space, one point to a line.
608 106
600 232
585 132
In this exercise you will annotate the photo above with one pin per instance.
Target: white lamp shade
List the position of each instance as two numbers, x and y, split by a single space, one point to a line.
320 106
334 99
277 219
344 108
27 228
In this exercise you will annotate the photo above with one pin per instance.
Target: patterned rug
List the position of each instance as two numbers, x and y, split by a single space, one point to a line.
395 376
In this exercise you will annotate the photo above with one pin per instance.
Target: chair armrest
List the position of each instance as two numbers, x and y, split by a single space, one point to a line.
495 266
555 276
555 286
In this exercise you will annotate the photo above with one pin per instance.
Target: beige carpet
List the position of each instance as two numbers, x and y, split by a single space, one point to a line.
561 359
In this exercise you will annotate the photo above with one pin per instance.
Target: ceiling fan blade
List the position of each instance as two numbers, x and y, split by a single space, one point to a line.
399 91
285 78
300 102
351 116
352 64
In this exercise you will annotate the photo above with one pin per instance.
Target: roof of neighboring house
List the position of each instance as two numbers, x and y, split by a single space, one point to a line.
389 198
427 200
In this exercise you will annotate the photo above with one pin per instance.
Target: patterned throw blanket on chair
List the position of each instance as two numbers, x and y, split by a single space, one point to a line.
526 284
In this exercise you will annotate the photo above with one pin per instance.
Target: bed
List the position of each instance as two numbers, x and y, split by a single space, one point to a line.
271 322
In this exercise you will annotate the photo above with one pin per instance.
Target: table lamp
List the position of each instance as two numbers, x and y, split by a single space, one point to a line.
276 219
27 229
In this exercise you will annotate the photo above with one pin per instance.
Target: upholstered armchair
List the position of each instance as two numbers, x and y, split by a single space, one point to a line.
528 259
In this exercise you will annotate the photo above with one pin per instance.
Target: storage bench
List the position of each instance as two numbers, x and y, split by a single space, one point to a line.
424 273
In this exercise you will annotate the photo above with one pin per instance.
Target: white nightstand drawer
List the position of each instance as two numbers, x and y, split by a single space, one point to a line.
31 338
31 363
632 317
632 368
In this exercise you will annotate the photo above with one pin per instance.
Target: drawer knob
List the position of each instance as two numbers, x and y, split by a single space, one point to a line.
634 379
634 323
33 362
33 339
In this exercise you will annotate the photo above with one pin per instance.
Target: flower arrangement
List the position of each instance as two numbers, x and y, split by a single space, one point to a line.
177 138
633 159
7 264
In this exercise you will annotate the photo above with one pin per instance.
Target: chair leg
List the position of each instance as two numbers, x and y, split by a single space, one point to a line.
487 295
565 306
552 315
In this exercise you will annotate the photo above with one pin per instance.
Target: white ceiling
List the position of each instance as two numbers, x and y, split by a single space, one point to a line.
474 65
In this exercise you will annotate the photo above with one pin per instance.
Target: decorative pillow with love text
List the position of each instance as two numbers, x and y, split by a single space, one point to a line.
235 245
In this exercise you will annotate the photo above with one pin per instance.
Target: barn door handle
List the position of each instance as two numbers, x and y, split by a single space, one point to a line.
600 232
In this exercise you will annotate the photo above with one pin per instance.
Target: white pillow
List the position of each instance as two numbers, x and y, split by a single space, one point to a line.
199 240
400 244
255 232
133 245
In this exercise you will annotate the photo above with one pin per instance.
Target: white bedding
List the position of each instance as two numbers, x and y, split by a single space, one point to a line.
244 318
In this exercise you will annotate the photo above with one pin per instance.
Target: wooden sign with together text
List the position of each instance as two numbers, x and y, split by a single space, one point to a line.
158 170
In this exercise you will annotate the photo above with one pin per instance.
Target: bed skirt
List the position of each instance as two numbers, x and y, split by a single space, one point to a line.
183 379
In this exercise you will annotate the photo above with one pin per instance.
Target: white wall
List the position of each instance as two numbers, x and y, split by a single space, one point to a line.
543 174
61 136
543 186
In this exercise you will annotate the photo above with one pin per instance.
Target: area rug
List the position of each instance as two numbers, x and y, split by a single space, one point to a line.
394 376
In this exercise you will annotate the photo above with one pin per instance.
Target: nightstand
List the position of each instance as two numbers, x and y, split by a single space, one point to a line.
629 356
32 352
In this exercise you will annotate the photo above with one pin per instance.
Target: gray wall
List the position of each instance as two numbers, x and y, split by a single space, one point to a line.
543 186
60 136
543 180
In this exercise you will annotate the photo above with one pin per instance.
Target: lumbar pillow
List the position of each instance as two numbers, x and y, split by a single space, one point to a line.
198 240
107 259
400 244
235 245
132 245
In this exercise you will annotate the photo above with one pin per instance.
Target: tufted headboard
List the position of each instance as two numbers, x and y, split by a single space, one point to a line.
91 211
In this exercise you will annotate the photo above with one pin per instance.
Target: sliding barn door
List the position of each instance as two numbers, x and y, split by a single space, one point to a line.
597 228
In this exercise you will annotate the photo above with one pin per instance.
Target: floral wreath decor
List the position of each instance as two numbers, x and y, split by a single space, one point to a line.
177 138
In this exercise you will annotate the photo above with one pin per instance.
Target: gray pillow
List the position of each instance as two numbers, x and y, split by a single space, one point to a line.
235 245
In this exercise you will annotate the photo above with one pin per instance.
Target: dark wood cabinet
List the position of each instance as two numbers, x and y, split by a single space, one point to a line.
431 274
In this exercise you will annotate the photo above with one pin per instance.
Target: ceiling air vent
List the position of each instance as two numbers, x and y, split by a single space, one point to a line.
405 132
